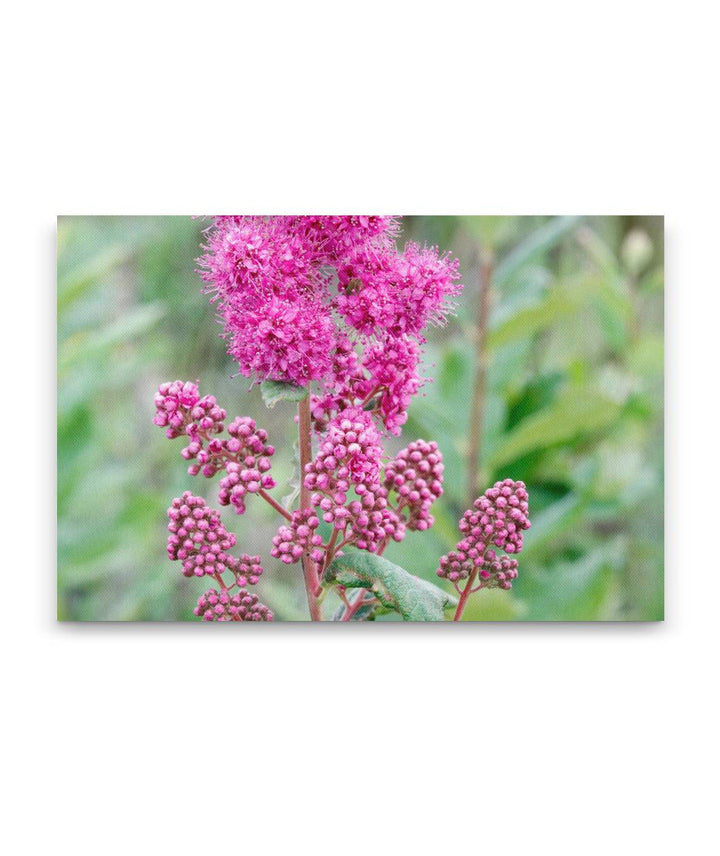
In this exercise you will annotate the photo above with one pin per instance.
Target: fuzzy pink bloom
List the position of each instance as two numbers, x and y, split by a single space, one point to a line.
224 605
273 279
333 238
397 293
391 364
282 338
272 294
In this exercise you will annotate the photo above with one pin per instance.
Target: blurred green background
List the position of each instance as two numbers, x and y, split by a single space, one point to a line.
573 406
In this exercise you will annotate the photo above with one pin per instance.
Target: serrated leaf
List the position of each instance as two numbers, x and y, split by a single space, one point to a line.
278 390
413 598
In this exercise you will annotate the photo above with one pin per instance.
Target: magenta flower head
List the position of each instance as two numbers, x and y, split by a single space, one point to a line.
500 516
497 518
391 364
282 284
397 293
282 338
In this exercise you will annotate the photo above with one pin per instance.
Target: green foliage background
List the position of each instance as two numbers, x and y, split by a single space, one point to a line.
574 408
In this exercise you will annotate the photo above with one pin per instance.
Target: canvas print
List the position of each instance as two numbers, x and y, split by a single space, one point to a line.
360 418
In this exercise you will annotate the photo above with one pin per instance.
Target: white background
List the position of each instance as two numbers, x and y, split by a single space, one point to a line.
491 739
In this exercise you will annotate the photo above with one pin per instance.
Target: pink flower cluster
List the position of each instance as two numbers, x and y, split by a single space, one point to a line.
497 518
216 605
180 409
244 456
398 293
498 571
415 475
282 284
248 570
495 572
349 453
299 537
201 542
349 491
198 537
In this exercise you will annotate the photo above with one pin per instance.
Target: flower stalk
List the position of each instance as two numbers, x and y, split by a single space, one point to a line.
310 574
331 309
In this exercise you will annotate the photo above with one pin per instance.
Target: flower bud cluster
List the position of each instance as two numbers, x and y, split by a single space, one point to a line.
216 605
367 520
247 570
180 410
248 471
499 517
299 537
495 572
244 455
498 572
345 482
198 537
416 476
349 454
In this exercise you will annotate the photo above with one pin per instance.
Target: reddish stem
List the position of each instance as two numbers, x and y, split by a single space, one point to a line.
276 505
354 607
310 573
467 591
329 552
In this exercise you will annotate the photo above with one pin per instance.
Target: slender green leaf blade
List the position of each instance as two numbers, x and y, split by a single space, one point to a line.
535 244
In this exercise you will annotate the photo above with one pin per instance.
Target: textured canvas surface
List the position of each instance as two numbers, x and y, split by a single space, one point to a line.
360 419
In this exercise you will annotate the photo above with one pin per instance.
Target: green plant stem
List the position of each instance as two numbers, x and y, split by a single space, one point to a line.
477 408
310 573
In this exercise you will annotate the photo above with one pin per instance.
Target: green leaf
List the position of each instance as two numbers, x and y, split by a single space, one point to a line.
87 347
73 285
278 390
527 321
534 245
576 413
415 599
